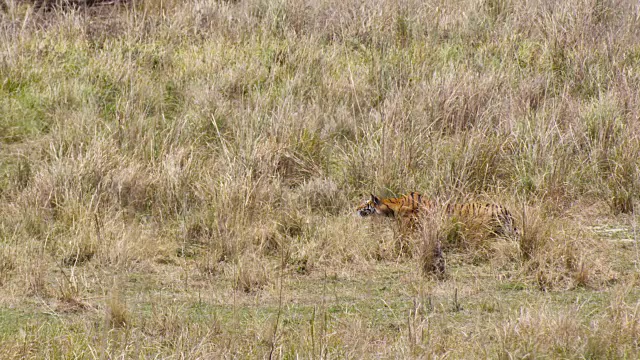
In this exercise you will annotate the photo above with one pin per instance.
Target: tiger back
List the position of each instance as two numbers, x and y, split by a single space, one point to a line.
410 206
496 217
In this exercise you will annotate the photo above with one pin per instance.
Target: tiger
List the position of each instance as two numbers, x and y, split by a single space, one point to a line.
409 206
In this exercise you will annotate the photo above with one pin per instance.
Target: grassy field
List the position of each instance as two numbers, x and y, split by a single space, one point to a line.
178 179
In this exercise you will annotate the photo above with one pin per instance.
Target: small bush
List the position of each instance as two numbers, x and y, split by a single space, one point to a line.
7 266
535 233
116 312
79 252
251 275
431 258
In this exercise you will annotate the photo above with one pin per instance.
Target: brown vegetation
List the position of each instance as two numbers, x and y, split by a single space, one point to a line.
178 178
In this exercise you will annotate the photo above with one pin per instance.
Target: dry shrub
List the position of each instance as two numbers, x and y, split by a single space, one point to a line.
458 107
295 160
431 258
292 224
623 178
209 265
612 334
604 121
534 233
220 234
622 201
268 238
124 244
537 331
323 196
404 243
73 4
116 312
68 292
293 240
77 240
616 333
36 279
581 275
302 257
298 230
301 162
560 266
27 266
345 240
174 180
238 213
251 274
7 265
505 254
98 175
557 255
538 249
80 251
391 241
470 164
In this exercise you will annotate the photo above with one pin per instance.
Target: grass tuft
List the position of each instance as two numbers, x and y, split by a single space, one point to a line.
431 256
251 276
117 314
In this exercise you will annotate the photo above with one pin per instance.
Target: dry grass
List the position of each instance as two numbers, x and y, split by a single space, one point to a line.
205 157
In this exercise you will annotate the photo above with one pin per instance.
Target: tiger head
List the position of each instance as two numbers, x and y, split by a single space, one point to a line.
373 206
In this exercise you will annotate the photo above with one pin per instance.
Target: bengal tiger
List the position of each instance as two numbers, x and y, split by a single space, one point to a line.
411 205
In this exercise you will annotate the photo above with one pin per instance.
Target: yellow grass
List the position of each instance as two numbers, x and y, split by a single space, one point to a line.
178 179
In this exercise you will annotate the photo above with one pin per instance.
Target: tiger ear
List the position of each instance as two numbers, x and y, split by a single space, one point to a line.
375 199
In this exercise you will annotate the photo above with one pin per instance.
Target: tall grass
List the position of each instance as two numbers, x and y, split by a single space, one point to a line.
232 138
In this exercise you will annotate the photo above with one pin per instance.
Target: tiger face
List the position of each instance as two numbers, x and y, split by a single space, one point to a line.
377 206
368 207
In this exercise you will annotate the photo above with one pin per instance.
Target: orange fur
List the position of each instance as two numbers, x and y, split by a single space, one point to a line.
412 204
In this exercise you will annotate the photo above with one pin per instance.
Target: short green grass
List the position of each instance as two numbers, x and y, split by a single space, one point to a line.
393 311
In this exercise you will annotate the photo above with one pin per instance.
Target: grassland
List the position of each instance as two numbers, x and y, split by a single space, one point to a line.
178 179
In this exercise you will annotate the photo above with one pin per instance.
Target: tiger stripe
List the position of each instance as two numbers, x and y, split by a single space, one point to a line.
412 204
